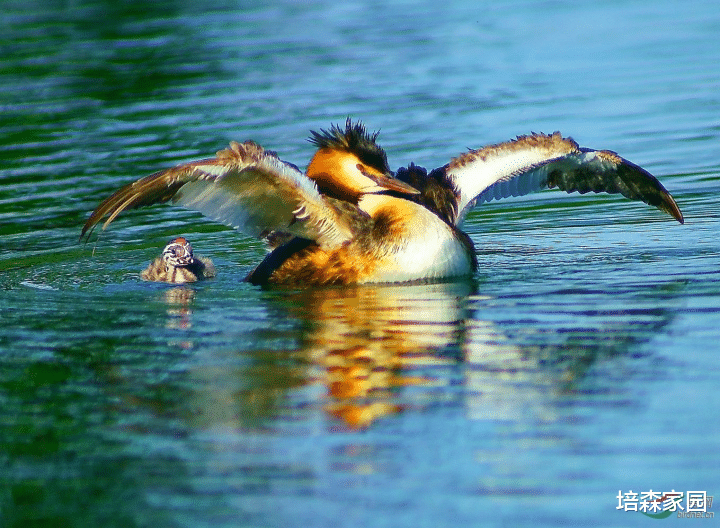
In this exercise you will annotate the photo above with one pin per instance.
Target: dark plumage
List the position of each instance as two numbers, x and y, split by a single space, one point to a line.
437 192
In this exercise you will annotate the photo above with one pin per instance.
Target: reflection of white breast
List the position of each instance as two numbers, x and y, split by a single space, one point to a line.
420 246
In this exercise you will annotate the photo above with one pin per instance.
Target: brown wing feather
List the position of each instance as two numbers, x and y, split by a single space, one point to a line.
532 163
156 188
244 186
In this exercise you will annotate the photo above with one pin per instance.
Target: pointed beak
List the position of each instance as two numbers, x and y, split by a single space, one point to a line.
388 183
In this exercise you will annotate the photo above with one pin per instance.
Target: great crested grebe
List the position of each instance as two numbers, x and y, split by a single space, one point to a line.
178 265
349 219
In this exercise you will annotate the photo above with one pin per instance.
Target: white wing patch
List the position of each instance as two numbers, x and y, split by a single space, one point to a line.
520 185
535 178
245 187
263 197
532 163
507 169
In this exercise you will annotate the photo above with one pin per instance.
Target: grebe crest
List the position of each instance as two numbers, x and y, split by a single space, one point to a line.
349 164
356 140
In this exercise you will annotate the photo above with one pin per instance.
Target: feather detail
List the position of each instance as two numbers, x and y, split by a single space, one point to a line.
244 186
538 161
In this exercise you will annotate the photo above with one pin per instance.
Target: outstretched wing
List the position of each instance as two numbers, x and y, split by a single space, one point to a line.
531 163
245 187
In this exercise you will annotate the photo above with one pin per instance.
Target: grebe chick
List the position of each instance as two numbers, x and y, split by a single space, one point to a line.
178 265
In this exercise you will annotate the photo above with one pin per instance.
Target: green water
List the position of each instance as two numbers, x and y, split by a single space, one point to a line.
580 360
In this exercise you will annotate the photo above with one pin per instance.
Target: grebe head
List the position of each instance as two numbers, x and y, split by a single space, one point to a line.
349 163
178 253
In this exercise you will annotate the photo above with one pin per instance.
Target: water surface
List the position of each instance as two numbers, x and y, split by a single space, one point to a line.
581 359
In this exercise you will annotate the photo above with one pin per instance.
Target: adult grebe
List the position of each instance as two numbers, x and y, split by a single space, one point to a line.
349 219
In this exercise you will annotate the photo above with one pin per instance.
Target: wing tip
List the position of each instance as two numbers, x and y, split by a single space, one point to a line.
671 207
666 203
95 217
87 230
636 182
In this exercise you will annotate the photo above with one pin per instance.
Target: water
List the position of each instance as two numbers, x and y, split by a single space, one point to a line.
580 360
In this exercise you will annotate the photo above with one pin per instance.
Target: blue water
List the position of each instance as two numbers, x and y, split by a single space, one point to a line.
580 360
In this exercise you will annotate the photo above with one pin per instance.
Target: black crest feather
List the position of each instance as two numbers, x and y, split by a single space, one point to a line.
354 138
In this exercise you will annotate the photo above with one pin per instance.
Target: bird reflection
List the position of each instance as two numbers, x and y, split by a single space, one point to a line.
179 301
366 341
366 348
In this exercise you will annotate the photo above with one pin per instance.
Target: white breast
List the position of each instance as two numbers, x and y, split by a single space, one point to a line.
428 248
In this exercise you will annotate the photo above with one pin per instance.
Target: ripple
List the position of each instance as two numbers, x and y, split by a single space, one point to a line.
589 329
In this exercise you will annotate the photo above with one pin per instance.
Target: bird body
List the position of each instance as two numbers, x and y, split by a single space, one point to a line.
349 219
396 241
